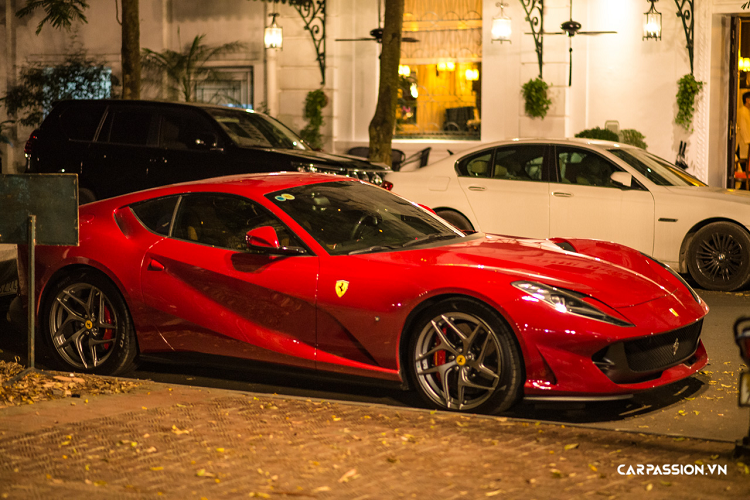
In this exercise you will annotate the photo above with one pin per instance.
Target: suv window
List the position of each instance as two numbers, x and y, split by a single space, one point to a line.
127 126
476 165
79 122
254 130
156 214
179 130
223 221
522 162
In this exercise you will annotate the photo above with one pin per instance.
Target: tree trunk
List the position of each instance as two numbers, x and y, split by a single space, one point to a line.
384 120
131 50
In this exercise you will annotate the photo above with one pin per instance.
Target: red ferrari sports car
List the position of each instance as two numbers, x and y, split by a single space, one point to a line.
333 274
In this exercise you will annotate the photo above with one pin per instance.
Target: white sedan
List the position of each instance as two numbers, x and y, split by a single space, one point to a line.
592 189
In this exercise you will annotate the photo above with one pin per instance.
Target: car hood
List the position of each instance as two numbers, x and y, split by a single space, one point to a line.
320 158
712 193
544 262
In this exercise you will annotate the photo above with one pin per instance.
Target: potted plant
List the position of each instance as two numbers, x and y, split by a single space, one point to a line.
315 101
535 96
687 88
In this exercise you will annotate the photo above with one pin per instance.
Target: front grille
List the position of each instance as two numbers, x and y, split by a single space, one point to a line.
645 358
373 176
658 352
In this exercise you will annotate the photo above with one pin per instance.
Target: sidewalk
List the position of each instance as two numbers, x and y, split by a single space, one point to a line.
160 441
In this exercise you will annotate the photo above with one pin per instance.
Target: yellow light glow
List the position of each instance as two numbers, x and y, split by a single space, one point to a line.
404 70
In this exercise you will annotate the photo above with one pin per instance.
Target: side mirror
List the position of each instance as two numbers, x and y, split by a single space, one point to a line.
427 208
265 239
206 140
621 179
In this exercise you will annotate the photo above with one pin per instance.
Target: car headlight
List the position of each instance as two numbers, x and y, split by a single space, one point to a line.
566 301
674 273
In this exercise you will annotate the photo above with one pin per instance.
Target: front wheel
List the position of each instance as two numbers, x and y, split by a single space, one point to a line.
463 357
719 257
86 324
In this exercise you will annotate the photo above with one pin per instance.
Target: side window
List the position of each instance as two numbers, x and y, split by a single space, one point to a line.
181 130
477 165
522 162
584 168
157 214
79 122
128 126
223 221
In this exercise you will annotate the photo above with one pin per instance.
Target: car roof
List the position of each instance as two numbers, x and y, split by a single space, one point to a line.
254 185
574 141
157 103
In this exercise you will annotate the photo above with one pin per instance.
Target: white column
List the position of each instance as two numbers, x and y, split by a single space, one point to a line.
272 90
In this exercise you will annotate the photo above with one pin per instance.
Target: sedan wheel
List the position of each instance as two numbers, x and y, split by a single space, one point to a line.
464 358
719 257
88 326
456 219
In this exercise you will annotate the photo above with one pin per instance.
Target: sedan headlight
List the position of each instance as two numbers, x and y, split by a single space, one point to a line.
567 301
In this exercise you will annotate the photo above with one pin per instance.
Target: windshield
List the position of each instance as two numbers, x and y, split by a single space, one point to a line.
253 130
658 171
353 217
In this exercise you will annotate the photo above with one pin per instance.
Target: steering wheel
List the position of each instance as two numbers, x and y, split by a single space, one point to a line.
361 223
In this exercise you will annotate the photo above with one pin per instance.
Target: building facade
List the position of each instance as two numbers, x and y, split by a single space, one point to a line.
458 87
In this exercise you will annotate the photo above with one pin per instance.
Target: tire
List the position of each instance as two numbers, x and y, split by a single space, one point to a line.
86 325
479 369
456 219
85 196
719 257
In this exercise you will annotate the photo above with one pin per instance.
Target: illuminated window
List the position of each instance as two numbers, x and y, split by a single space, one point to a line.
440 76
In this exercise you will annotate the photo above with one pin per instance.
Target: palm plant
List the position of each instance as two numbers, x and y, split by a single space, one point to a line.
182 72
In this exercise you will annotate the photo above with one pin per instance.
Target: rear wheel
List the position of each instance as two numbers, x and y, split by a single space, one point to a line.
86 324
719 257
463 357
456 219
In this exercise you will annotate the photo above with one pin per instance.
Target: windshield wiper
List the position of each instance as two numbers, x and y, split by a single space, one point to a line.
374 248
431 237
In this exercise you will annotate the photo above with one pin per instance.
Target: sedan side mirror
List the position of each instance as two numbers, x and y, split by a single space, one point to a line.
265 239
621 179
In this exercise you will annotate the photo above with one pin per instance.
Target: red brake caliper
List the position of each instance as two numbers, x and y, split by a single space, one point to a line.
439 357
108 333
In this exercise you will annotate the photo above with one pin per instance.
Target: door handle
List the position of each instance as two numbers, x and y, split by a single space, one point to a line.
477 188
155 265
561 194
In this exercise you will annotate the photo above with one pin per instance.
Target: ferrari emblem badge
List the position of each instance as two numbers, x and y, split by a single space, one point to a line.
675 346
460 360
89 325
341 287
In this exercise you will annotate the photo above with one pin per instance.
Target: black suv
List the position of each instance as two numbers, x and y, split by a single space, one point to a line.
119 146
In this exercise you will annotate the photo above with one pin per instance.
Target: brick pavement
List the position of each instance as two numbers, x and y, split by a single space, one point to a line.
189 443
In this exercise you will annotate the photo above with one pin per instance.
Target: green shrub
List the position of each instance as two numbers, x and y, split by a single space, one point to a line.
633 137
598 133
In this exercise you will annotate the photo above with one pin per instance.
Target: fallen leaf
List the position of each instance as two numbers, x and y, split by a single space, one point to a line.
571 446
348 476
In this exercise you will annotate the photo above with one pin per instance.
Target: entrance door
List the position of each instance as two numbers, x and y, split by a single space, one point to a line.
733 101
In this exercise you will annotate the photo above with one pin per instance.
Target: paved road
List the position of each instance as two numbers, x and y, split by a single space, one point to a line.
704 406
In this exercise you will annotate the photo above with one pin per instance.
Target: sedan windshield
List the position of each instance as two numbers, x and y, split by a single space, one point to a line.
658 171
353 217
248 129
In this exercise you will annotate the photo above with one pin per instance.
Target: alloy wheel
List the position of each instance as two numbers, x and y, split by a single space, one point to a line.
719 257
458 360
83 325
